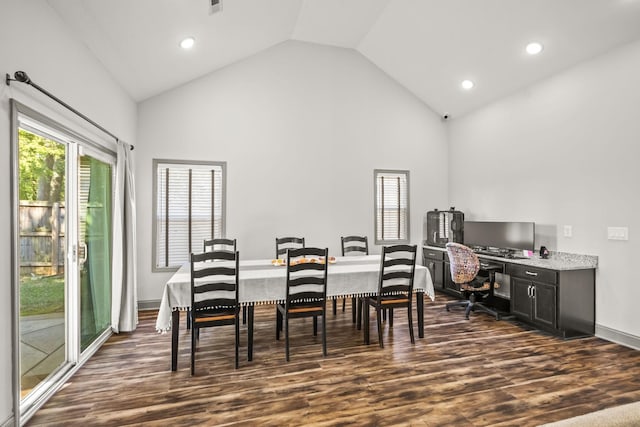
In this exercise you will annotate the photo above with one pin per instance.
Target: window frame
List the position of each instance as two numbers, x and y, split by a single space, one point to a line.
376 173
223 228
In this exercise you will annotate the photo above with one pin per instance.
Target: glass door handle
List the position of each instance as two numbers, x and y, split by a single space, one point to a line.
83 245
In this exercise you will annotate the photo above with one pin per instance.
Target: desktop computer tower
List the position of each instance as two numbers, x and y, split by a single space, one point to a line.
441 227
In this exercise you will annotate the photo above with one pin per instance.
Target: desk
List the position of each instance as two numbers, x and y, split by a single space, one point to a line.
554 294
262 283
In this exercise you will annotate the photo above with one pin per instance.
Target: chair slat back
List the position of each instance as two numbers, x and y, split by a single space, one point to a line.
397 270
219 244
214 283
285 243
355 245
306 277
463 263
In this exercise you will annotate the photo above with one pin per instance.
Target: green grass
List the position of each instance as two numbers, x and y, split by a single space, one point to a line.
41 295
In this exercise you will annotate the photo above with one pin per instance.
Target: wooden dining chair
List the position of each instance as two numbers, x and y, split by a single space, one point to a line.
285 243
214 295
306 292
222 245
219 244
352 246
395 287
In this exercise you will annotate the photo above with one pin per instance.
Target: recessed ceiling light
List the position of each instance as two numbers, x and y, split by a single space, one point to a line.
187 43
467 84
534 48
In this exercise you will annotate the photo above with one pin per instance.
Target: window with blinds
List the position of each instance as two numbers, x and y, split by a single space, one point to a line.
189 207
391 206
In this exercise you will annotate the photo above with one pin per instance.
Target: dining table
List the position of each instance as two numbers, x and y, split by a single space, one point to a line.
264 282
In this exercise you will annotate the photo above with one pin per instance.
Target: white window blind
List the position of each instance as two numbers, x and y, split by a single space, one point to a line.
189 208
391 206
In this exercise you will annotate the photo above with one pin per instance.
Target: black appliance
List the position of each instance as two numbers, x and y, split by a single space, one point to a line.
441 227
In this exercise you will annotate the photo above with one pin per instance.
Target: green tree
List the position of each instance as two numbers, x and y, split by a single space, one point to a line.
42 168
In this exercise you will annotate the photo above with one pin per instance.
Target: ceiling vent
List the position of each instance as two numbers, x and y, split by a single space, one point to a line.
215 6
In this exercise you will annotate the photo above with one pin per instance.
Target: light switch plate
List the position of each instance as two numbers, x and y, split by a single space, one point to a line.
568 231
618 233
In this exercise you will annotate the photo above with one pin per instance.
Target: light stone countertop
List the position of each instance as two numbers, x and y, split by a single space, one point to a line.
556 261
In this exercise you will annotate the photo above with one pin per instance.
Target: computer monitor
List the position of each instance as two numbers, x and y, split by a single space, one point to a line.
500 235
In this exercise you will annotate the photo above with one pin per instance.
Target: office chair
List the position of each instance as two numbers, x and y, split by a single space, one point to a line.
465 265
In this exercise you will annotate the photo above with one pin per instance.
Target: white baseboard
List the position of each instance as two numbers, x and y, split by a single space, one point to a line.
153 304
9 422
618 337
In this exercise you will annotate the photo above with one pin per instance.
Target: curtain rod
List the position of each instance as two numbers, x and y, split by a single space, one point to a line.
22 77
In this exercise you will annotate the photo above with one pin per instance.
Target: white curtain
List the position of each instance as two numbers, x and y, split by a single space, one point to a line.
124 302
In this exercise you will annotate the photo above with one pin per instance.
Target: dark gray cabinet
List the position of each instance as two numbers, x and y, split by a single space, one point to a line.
561 302
534 302
433 260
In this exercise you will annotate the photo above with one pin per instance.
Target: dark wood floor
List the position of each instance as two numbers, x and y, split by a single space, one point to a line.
468 373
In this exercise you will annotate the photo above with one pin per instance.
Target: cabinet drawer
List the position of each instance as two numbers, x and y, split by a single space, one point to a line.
534 274
433 254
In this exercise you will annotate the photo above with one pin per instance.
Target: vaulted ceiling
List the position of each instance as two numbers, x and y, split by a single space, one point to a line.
428 46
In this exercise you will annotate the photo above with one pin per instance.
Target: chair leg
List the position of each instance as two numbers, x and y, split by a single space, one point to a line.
237 339
359 311
244 314
413 340
188 319
335 305
324 334
384 315
364 307
378 318
391 317
344 303
193 351
472 301
468 310
278 323
457 304
286 336
315 326
353 309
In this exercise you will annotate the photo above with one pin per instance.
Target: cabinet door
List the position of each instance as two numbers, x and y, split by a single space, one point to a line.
520 299
544 304
435 269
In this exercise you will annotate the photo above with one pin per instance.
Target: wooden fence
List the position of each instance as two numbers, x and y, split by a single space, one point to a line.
42 238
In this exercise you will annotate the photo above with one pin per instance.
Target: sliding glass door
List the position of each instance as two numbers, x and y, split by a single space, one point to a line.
63 201
94 241
42 266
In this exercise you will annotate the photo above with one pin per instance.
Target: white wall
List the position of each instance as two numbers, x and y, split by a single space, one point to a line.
564 152
33 39
296 117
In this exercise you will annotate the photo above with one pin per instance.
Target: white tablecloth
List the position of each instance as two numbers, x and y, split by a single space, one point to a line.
263 283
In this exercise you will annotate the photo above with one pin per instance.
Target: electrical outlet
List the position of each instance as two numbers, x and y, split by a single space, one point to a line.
568 231
618 233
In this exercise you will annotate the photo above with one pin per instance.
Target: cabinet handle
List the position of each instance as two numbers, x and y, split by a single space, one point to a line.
530 273
533 291
432 265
